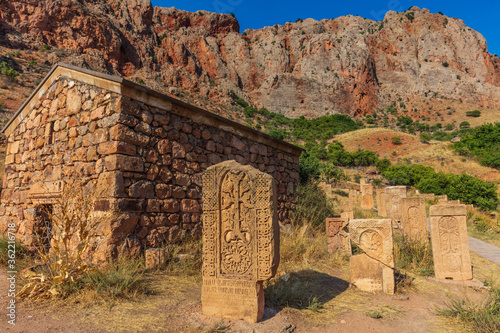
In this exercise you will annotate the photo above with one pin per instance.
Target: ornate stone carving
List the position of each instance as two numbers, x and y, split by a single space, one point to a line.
393 195
381 206
347 209
240 240
450 244
414 218
374 269
366 196
338 235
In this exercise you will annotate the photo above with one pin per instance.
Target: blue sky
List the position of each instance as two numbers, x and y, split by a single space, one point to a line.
481 15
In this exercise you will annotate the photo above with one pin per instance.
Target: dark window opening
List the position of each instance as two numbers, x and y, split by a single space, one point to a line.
43 227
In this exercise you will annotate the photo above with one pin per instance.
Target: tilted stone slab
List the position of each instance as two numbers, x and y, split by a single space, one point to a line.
240 240
338 235
414 218
450 244
374 269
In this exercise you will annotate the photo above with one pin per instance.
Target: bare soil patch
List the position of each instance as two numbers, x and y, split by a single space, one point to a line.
173 304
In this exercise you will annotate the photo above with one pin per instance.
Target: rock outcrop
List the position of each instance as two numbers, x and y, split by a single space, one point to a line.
309 68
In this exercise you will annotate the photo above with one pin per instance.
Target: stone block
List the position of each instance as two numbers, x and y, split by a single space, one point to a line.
142 189
123 163
338 236
347 209
393 195
450 243
366 196
374 269
240 240
381 205
414 218
155 258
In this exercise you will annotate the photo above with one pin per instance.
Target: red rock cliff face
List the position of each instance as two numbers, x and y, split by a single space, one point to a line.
350 64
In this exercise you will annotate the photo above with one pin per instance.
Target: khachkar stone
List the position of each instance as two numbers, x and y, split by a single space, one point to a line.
338 235
414 218
374 269
393 195
240 240
352 195
347 209
381 202
366 196
450 244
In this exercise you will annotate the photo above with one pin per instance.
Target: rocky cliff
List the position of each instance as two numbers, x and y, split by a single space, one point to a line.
345 65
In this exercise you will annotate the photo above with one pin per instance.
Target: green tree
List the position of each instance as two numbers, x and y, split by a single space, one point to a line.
425 137
309 167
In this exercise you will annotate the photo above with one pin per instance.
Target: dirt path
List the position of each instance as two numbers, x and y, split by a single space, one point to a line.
484 249
173 305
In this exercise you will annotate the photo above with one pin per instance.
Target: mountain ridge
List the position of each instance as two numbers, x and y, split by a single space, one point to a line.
310 68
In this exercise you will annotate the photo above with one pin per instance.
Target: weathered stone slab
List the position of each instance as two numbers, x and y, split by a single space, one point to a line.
442 199
45 192
373 270
338 235
347 209
450 244
155 257
381 206
240 240
393 195
366 196
353 195
414 218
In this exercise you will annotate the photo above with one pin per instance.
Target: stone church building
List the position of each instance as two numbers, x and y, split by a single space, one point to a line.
144 151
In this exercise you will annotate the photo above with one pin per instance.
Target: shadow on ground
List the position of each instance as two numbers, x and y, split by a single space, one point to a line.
305 289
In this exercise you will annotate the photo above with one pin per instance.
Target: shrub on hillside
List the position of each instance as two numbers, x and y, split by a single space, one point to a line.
457 187
309 167
475 113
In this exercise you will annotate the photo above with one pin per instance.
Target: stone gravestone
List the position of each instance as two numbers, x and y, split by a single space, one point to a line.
347 209
240 240
414 218
442 199
352 195
155 257
338 236
450 244
393 195
366 196
381 203
374 269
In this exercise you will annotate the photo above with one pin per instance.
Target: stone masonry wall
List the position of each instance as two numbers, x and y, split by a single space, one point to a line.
146 163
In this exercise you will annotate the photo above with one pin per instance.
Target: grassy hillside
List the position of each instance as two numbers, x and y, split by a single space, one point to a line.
436 154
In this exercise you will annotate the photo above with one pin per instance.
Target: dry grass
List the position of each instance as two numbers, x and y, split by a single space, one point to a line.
62 238
484 226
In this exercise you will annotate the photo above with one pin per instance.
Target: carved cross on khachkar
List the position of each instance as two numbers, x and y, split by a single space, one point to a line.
374 269
414 218
450 243
240 240
338 235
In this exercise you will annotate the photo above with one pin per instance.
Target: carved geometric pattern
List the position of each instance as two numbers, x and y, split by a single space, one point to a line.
239 225
209 242
210 192
236 231
450 243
